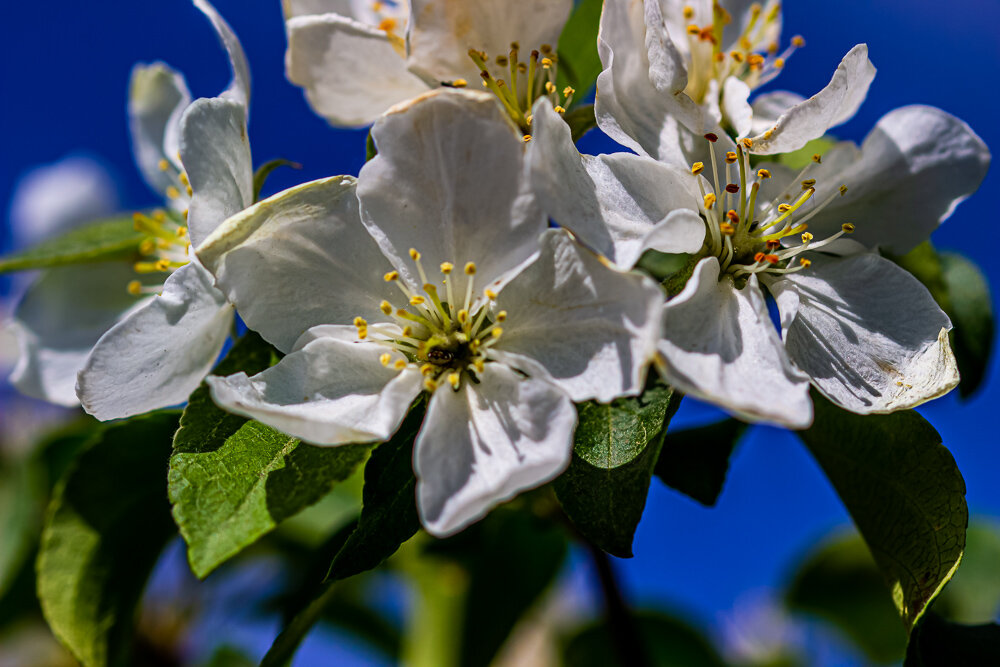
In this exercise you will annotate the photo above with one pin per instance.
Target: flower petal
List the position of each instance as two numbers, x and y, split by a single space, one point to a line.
610 202
159 353
299 259
351 72
215 153
441 32
239 89
720 345
833 105
156 99
448 182
914 168
736 106
769 107
867 332
485 443
348 8
594 329
58 321
329 392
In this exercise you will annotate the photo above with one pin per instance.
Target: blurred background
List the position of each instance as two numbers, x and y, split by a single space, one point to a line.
727 569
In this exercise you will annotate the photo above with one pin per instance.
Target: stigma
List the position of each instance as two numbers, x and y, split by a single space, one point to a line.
445 329
750 236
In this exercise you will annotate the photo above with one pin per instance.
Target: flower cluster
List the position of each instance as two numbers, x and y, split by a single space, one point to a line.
481 268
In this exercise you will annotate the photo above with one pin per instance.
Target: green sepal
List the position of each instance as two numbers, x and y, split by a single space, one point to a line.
264 172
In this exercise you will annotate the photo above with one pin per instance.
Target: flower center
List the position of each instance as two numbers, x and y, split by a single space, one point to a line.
391 16
518 84
164 248
752 237
448 338
753 57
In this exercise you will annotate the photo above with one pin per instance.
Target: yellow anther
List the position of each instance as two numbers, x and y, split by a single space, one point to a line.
550 87
164 264
479 365
182 232
807 237
817 158
763 173
470 269
727 228
736 55
693 30
784 208
559 109
547 64
459 83
798 41
526 138
490 294
147 247
463 316
688 12
135 288
847 227
697 168
173 193
430 384
428 369
747 143
360 322
453 379
529 118
779 63
497 332
391 276
387 24
407 331
386 307
184 178
163 165
400 364
808 183
385 359
502 316
730 157
709 201
805 262
568 90
160 215
843 190
447 267
414 255
417 300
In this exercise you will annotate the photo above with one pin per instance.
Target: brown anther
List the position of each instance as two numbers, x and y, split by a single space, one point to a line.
727 228
772 259
712 137
720 57
759 257
546 48
763 173
733 216
773 244
732 188
502 61
848 227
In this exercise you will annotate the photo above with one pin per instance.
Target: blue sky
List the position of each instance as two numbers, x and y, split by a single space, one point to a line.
65 67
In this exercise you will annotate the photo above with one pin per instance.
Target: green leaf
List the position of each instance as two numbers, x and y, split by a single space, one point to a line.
695 461
971 314
233 480
904 492
21 497
510 558
388 510
98 241
105 528
962 292
617 444
579 62
668 642
370 149
264 172
227 656
841 585
581 120
973 595
938 643
803 156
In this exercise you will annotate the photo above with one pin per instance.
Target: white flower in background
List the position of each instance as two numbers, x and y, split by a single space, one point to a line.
429 276
865 332
674 71
138 342
356 58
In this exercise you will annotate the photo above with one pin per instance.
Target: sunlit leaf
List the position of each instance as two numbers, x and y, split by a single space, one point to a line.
98 241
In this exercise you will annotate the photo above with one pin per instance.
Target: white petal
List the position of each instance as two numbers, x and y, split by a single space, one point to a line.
667 70
299 259
159 353
611 202
295 8
329 392
485 443
720 345
629 108
867 332
441 32
215 153
769 107
914 168
448 182
736 106
157 97
833 105
351 72
58 321
594 329
239 89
